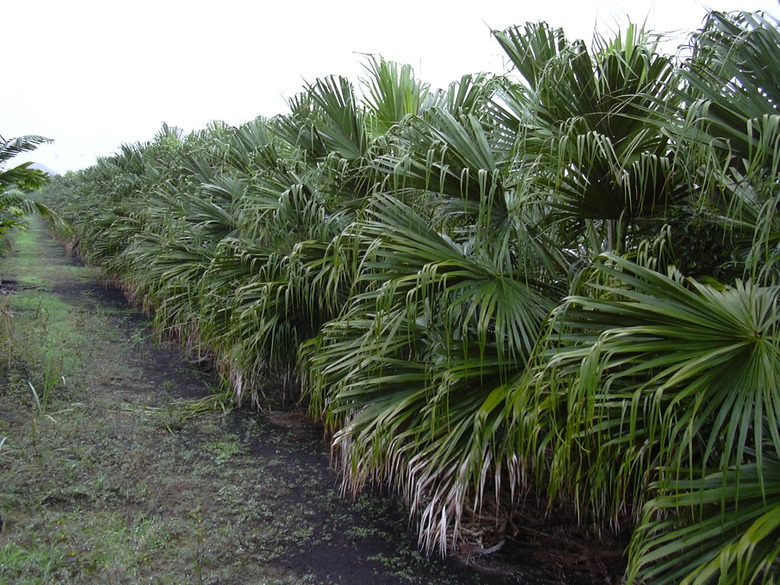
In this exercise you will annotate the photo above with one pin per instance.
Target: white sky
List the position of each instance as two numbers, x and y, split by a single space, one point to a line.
95 74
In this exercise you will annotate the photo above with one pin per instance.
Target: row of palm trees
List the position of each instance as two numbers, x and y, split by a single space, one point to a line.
556 287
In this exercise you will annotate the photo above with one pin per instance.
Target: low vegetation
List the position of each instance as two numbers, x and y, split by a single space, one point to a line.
553 290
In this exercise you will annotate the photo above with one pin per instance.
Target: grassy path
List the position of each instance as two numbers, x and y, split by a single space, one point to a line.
112 470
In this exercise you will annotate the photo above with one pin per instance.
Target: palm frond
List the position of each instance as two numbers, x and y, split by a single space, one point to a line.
723 528
655 371
14 146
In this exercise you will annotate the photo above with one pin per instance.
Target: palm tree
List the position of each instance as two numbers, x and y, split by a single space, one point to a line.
717 517
591 131
19 180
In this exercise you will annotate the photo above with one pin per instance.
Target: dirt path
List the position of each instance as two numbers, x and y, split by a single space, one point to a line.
110 471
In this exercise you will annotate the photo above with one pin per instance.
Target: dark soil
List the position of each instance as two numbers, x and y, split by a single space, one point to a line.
127 477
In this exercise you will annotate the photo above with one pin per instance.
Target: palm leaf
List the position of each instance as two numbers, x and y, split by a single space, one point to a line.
723 528
655 372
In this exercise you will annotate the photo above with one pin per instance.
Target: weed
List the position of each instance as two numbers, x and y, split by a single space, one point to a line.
224 449
42 399
200 538
41 564
175 414
6 326
38 402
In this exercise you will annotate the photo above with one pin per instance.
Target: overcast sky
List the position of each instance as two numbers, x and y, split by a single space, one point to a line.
95 74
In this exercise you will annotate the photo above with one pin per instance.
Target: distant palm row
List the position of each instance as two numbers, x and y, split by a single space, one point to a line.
558 286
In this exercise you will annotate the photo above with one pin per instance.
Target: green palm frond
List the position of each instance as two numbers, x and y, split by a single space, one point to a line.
505 307
655 371
411 376
253 147
467 96
532 49
342 127
14 146
23 177
723 528
453 157
590 130
734 68
393 93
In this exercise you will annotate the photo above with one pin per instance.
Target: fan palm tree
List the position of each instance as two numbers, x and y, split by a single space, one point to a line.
729 507
590 131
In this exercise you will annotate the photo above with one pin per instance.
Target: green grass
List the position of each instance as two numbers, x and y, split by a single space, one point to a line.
25 264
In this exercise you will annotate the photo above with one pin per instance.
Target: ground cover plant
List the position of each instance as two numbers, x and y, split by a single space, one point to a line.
552 292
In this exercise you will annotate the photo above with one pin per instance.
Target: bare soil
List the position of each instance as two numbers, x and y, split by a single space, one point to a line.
114 469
